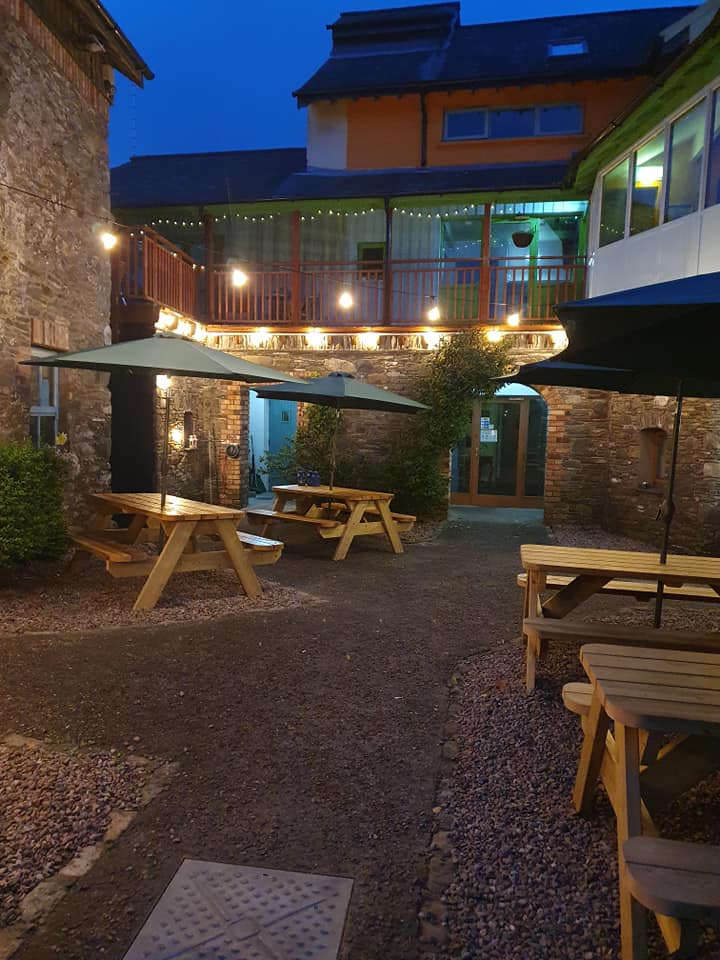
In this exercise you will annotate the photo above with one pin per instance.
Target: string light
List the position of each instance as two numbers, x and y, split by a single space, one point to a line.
345 300
239 278
433 313
108 240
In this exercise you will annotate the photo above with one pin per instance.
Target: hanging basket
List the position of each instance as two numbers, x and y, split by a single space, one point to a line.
522 238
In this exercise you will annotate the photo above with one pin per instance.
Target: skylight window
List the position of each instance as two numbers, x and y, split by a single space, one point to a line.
567 48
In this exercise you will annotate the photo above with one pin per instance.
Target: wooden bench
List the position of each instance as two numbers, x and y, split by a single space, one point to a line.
642 590
675 879
266 517
106 548
262 551
539 631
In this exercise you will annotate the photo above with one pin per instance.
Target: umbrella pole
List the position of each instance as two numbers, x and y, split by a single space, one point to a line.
668 507
165 453
333 448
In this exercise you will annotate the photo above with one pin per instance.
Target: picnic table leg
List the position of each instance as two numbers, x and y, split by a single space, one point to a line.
351 525
239 556
389 526
532 608
633 924
591 755
164 565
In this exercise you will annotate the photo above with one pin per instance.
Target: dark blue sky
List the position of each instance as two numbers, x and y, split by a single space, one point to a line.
225 69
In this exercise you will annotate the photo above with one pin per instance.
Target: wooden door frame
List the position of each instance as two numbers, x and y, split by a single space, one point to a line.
474 499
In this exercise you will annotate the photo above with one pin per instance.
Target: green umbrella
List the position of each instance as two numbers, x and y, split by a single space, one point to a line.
169 355
343 392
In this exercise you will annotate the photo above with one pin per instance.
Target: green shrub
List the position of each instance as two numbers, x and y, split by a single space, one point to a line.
32 526
309 449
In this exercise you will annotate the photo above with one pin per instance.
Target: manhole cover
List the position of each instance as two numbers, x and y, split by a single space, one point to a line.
217 911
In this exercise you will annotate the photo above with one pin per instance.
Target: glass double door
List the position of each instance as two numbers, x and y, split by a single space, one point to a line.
501 461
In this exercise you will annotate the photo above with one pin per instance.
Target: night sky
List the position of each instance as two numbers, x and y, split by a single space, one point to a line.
225 69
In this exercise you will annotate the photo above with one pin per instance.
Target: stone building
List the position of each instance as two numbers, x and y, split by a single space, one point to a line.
57 62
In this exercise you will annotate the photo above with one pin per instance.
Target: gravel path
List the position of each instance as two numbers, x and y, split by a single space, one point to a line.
308 738
533 880
53 804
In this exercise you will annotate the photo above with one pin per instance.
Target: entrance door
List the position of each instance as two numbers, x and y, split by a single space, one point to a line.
501 462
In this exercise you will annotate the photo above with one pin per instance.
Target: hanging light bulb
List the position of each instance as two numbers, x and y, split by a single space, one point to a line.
239 278
433 313
108 240
431 338
163 382
345 300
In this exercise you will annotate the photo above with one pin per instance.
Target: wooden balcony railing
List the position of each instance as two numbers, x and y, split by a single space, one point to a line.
401 295
146 266
464 292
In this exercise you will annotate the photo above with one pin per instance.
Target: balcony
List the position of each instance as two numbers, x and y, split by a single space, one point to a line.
403 295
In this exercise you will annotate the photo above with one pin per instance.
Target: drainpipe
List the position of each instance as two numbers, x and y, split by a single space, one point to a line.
423 131
387 266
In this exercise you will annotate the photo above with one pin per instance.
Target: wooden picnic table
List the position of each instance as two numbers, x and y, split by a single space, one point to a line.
589 570
336 513
181 521
648 693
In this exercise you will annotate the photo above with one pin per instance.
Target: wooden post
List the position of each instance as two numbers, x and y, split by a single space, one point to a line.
484 291
295 275
387 317
208 222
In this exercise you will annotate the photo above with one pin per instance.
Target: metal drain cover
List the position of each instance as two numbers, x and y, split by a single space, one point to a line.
217 911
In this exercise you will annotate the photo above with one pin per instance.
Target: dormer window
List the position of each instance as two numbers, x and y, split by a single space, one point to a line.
567 48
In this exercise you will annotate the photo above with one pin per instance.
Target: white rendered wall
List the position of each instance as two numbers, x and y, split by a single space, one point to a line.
681 248
327 136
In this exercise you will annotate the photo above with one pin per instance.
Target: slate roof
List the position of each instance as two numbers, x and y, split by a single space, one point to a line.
189 179
244 176
372 55
418 181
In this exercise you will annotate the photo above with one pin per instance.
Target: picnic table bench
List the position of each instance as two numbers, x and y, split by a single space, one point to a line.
336 513
649 693
180 522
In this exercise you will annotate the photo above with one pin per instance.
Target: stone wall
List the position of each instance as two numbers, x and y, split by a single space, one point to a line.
55 287
593 471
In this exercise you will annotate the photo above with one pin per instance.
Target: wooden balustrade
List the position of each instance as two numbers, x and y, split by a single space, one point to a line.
147 266
458 292
464 292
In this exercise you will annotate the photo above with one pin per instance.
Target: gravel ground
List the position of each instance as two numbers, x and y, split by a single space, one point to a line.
53 804
533 880
308 738
63 603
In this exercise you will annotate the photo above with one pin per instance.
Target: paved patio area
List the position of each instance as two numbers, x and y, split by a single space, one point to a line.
308 738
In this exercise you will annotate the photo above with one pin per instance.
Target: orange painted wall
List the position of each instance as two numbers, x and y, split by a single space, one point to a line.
386 132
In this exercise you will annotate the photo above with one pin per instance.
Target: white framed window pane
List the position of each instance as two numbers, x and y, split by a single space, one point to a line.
687 146
558 120
613 203
648 173
712 194
505 124
465 124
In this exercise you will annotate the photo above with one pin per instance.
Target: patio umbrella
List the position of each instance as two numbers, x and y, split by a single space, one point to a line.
561 373
342 392
169 355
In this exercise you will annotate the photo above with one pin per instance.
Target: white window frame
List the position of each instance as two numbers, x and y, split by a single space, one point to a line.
536 108
705 95
36 410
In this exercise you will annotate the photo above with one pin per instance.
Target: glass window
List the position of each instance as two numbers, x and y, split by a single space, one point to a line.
713 185
555 120
567 48
512 123
43 402
465 124
687 146
648 171
614 203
